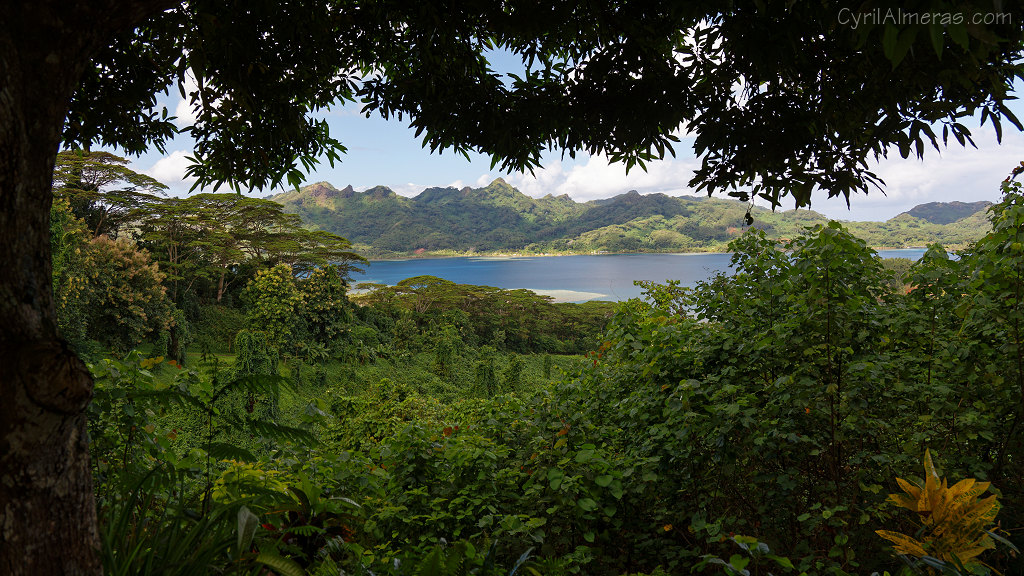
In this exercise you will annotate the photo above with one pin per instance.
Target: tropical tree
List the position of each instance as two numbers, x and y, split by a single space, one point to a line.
172 231
325 308
995 314
107 290
785 98
274 305
69 237
211 236
102 190
119 290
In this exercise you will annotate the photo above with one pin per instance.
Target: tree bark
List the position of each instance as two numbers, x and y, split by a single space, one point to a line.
47 513
220 284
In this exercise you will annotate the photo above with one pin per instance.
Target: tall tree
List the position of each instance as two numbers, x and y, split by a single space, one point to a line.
210 236
325 308
275 306
172 231
47 518
784 97
115 295
102 190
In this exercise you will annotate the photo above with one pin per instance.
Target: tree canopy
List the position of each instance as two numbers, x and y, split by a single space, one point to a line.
101 189
784 98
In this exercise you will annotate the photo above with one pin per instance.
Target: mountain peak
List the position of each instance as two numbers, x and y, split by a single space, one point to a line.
946 212
439 194
321 191
631 197
379 192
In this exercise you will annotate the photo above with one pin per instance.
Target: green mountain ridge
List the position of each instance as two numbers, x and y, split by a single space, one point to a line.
947 212
498 218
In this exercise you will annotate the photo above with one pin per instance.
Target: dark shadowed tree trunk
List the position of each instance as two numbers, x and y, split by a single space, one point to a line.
47 515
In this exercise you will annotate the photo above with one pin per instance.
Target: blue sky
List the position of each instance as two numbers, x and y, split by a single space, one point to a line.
387 153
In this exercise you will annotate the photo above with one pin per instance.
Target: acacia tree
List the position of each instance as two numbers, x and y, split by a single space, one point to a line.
102 190
785 98
210 235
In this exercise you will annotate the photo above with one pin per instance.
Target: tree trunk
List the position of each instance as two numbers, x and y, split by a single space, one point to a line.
47 513
220 284
174 346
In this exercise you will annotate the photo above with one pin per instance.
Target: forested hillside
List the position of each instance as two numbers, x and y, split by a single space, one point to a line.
499 218
818 412
946 212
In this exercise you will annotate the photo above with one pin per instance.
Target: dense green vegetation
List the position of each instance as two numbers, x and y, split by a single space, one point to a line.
499 218
786 101
755 422
108 225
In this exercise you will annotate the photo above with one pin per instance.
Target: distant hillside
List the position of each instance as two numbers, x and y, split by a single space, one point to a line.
947 212
500 218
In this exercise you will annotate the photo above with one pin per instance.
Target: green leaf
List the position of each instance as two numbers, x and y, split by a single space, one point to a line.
739 562
555 477
936 32
284 566
889 37
958 32
247 523
781 561
745 540
616 489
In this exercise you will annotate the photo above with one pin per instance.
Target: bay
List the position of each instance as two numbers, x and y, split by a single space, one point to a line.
568 278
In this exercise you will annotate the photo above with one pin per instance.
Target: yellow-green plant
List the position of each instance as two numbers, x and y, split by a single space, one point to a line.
955 519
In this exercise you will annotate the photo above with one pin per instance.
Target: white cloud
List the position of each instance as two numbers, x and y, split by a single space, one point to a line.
186 116
409 189
963 174
597 178
957 173
170 170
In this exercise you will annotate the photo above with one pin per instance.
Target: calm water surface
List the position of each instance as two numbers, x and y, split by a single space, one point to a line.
568 278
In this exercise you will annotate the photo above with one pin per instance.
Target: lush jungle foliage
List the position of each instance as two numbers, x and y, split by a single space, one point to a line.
753 424
518 320
109 224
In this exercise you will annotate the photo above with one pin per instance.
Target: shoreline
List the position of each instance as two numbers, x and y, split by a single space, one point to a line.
522 255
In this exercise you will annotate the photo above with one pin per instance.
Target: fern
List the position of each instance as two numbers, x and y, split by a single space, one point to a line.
306 531
282 565
433 564
269 385
224 451
280 433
